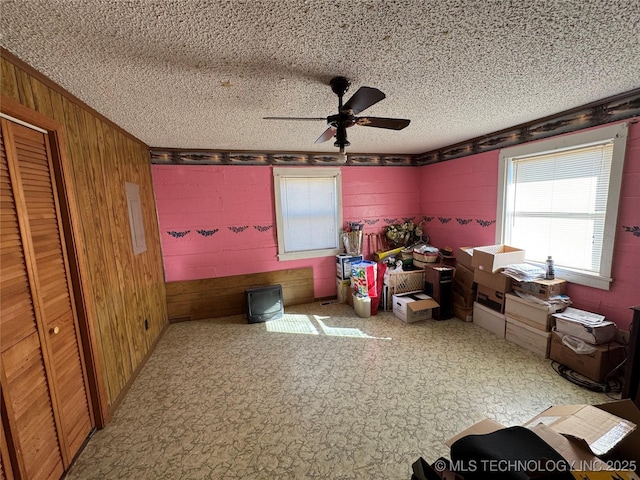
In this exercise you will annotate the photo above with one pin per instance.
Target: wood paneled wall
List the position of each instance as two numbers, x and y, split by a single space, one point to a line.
218 297
120 290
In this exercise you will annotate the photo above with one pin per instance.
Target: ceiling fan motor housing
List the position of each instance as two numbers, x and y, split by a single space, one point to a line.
340 85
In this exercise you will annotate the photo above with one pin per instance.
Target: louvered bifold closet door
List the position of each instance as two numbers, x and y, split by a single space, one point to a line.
28 154
34 158
25 388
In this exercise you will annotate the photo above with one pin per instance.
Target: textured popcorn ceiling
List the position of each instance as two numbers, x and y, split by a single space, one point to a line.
202 74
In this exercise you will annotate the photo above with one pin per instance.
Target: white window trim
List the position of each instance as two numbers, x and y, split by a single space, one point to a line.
318 172
617 133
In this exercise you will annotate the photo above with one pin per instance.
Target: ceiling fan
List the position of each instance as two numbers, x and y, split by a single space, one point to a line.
346 116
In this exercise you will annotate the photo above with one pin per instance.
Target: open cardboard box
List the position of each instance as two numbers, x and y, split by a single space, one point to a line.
413 306
585 435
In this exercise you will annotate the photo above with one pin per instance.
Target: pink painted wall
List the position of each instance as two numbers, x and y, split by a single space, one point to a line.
463 193
232 207
217 221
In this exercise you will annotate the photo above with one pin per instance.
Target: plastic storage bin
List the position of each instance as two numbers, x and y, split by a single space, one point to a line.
362 306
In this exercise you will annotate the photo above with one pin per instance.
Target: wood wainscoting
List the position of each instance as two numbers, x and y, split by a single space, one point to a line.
219 297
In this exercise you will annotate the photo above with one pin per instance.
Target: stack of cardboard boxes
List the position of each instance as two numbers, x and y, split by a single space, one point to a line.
464 286
343 276
529 323
488 308
589 349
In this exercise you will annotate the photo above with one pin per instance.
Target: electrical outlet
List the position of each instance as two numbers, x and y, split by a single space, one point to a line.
146 324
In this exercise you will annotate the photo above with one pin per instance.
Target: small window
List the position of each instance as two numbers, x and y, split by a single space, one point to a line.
560 197
308 211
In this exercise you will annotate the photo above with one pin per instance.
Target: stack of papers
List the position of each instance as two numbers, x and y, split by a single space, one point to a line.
580 316
523 272
560 302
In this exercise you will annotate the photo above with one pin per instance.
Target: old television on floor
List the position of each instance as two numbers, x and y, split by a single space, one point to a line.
264 303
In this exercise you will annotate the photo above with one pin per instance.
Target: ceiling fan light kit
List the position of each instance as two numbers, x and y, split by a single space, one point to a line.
346 117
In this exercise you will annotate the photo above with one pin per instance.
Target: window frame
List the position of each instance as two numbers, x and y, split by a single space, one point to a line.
616 133
280 173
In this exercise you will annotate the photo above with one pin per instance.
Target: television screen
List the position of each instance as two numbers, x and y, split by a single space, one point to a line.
264 303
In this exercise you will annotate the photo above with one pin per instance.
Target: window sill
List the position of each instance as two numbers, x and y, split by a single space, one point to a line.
308 254
581 278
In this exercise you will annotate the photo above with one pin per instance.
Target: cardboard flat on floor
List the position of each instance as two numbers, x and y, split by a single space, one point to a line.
490 298
533 314
531 338
541 288
595 366
495 281
593 334
494 257
413 307
489 319
597 430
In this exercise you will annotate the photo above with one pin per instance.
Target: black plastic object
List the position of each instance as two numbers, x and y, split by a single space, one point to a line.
514 453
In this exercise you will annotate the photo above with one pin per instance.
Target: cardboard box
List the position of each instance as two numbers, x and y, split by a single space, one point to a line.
490 298
568 428
627 449
463 295
343 265
343 289
494 257
495 281
463 313
571 451
413 307
464 275
597 430
531 338
489 319
533 314
593 334
465 254
449 260
541 288
595 366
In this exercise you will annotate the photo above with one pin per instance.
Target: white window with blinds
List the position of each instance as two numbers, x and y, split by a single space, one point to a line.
308 211
560 197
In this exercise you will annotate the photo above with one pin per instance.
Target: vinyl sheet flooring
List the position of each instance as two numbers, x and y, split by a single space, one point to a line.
319 394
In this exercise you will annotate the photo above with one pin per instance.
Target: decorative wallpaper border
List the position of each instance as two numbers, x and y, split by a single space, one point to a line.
612 109
237 229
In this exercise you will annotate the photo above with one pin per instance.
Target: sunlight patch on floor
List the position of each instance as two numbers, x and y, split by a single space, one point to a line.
291 323
307 325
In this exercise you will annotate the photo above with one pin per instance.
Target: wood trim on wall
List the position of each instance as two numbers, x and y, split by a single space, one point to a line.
219 297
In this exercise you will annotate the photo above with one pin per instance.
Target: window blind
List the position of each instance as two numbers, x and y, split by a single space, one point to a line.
558 205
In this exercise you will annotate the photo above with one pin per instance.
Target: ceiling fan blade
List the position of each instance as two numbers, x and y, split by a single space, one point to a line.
327 135
315 119
380 122
363 99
